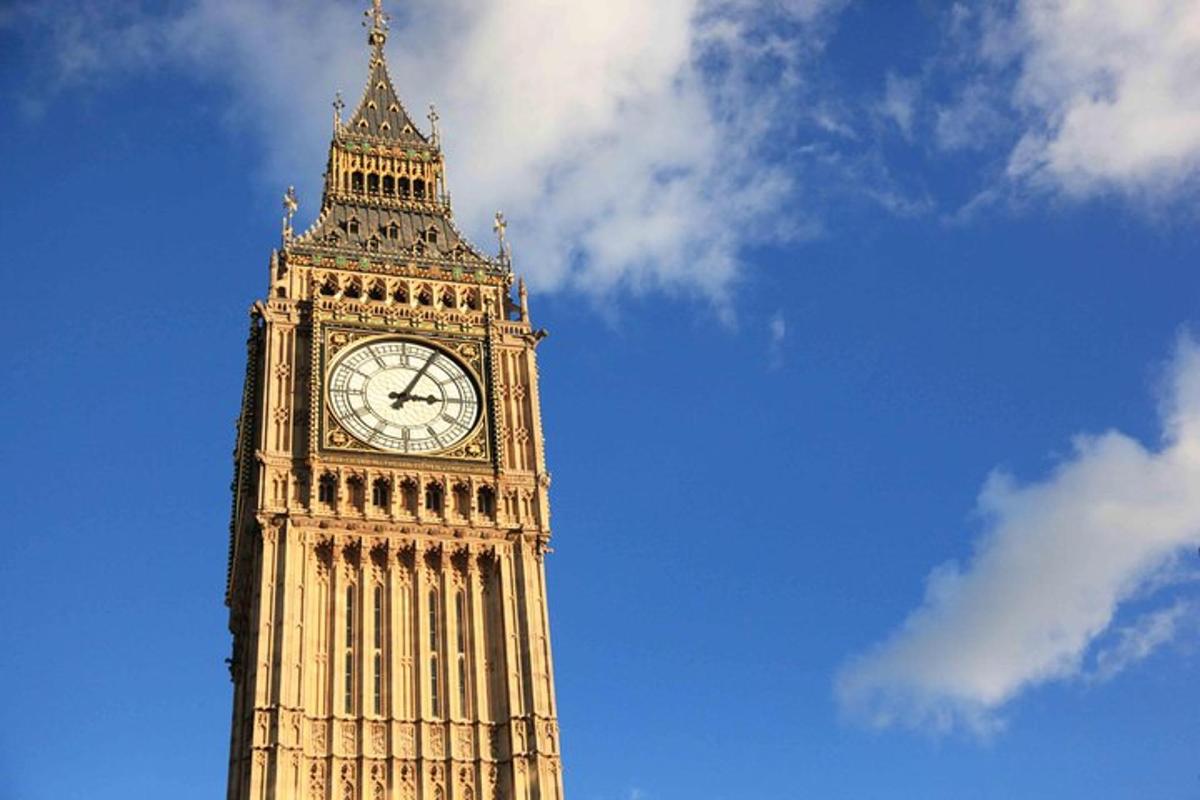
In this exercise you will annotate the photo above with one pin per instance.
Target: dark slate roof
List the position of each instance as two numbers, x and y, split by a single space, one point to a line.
334 229
380 113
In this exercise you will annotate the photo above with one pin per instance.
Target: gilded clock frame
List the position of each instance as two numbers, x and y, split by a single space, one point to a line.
470 352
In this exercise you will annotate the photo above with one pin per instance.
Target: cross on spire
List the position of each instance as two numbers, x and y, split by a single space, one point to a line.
500 227
290 204
433 124
379 23
338 105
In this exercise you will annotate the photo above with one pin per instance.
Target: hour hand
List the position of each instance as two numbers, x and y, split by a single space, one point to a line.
399 397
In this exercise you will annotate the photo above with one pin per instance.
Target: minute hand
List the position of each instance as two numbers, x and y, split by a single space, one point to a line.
404 395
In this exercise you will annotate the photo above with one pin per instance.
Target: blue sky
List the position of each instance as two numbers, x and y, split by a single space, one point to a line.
871 398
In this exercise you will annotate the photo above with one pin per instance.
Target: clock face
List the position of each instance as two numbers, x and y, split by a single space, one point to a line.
402 397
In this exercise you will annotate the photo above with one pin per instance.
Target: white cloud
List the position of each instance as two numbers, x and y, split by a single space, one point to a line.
1138 640
1057 559
777 327
620 161
972 122
899 104
1111 91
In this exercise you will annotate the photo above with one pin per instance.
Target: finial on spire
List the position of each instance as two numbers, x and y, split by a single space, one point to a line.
290 204
434 136
523 299
500 227
338 105
379 24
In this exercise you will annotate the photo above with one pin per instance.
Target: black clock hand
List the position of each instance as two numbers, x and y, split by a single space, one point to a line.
404 395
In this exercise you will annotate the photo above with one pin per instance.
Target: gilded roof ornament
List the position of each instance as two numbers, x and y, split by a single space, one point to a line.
290 204
338 105
378 23
434 135
500 227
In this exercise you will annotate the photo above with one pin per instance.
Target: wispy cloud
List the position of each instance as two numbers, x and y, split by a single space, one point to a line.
777 329
1046 579
1134 642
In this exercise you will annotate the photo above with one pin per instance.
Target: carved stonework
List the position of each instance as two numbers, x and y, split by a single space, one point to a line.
437 741
316 780
378 738
349 738
406 739
464 742
320 745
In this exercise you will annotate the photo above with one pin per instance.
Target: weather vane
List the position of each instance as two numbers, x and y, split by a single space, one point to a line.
500 226
290 204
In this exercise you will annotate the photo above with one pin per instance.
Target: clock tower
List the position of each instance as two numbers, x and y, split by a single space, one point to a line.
386 588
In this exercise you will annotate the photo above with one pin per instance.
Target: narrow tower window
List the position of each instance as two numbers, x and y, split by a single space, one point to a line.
380 493
435 698
460 620
327 488
389 185
408 496
378 631
486 501
433 498
349 694
462 500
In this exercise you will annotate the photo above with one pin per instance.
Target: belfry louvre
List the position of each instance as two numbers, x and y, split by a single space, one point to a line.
386 585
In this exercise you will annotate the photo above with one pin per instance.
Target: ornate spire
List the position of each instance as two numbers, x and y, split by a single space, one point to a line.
380 114
385 181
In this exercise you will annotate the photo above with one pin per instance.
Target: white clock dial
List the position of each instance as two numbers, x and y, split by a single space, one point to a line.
402 397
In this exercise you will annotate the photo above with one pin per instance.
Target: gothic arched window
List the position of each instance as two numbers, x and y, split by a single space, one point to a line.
381 493
349 686
485 500
462 499
389 185
378 633
357 490
408 496
460 629
435 694
433 497
327 488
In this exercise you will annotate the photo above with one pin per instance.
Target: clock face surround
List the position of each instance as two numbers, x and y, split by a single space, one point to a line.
402 396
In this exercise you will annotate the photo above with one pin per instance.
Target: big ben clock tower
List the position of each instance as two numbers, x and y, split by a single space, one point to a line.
386 587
